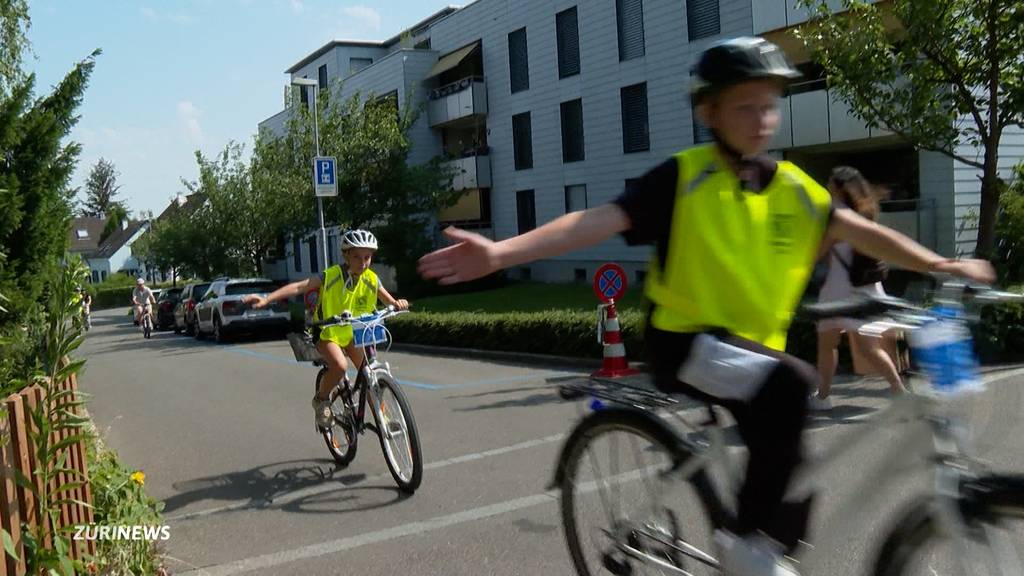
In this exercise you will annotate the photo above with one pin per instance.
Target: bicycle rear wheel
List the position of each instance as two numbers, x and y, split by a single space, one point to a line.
623 510
399 438
993 542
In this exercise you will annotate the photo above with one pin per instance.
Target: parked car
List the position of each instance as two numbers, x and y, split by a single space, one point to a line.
165 307
185 310
222 313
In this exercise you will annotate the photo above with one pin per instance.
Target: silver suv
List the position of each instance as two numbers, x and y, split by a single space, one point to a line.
222 313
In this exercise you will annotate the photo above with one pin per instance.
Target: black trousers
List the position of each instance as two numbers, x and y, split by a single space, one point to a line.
770 422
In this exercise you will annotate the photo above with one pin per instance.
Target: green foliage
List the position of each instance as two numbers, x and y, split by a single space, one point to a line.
119 499
101 192
938 73
1011 230
34 170
14 25
117 215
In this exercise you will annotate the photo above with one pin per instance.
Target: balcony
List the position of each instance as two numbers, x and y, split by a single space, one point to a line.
465 98
775 14
814 116
470 172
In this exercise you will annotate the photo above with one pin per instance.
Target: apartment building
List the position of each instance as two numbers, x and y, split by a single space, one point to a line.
545 107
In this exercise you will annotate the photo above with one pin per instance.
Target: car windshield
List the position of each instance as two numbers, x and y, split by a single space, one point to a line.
249 288
199 290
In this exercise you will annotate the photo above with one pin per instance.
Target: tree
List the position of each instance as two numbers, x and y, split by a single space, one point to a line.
14 24
101 190
117 216
35 167
377 187
939 73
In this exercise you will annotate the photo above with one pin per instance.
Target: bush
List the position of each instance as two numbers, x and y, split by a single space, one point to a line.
119 500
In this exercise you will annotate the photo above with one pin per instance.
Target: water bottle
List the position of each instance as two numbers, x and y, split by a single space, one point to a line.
945 350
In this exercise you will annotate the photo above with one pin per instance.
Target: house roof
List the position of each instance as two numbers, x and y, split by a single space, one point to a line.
84 235
190 204
118 239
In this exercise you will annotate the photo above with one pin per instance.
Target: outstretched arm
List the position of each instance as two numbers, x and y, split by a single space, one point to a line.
474 256
889 245
287 291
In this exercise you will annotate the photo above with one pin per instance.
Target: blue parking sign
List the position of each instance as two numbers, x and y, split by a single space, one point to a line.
325 182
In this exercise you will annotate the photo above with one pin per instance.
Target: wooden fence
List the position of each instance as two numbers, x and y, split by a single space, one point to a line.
17 504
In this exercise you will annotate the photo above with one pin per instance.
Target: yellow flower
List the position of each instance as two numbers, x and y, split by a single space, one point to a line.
139 477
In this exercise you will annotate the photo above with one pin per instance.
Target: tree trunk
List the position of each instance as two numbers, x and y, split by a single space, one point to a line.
990 186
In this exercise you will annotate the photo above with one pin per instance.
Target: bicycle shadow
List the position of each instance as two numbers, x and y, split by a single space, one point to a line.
279 486
543 394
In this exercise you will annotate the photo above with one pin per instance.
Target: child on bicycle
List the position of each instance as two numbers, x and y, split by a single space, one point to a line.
736 234
357 293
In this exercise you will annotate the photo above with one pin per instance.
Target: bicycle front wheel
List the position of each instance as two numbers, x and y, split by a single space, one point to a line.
991 542
399 438
624 510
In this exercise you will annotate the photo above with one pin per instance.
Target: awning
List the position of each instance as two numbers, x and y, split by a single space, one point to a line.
452 59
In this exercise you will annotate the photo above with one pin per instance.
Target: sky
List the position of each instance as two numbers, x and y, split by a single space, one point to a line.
177 76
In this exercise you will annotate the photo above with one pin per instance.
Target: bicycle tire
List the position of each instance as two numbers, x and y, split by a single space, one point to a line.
658 434
343 450
410 481
986 501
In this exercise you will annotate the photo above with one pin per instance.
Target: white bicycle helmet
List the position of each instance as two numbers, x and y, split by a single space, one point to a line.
358 239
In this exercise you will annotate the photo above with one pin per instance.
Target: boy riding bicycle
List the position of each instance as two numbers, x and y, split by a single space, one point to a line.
357 293
142 299
736 235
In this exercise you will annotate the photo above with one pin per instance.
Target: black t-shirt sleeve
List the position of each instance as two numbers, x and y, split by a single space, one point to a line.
649 203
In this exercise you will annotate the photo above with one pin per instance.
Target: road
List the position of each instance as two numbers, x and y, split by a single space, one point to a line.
225 436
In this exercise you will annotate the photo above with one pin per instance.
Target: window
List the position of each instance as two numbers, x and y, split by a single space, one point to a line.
518 61
103 275
630 17
522 141
525 211
314 265
304 95
321 76
81 233
575 198
702 19
95 276
635 132
357 64
568 39
701 133
572 131
296 255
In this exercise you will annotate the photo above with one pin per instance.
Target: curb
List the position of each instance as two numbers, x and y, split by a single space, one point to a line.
519 357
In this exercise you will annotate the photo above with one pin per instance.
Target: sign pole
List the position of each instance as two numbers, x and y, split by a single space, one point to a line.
319 200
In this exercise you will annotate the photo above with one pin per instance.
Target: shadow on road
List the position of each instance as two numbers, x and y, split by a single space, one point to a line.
276 485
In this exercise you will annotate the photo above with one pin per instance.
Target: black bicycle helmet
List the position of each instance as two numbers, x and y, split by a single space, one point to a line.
738 60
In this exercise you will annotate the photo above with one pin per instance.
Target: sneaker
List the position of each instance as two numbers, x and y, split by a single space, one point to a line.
817 404
755 555
322 410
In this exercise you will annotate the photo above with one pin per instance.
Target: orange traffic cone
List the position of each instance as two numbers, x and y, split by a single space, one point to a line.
615 363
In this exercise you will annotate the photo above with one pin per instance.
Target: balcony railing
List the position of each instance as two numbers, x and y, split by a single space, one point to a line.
462 99
470 172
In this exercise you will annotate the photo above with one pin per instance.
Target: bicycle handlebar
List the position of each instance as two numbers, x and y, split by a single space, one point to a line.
346 318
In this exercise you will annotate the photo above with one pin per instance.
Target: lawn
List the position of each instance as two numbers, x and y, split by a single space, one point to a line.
526 297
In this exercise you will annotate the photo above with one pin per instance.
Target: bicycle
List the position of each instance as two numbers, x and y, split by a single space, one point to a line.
146 321
966 507
374 386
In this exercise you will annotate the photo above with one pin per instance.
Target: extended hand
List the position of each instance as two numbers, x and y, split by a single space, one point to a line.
255 301
978 270
472 256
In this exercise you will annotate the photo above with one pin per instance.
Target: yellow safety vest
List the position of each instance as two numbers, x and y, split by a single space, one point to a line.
336 297
737 260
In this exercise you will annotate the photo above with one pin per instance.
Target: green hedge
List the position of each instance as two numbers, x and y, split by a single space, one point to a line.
999 338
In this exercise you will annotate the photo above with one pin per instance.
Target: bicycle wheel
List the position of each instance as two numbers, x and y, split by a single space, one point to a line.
340 436
399 438
147 327
623 510
993 542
